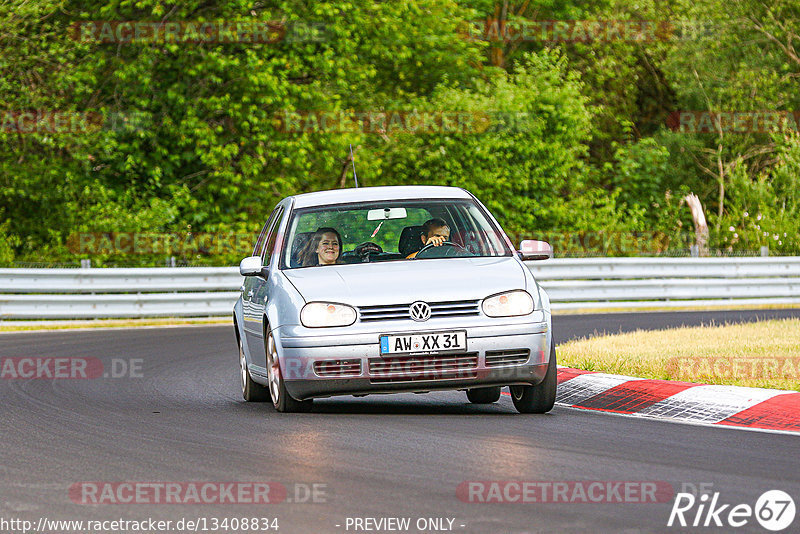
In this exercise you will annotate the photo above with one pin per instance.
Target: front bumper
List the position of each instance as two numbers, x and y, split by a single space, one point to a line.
347 364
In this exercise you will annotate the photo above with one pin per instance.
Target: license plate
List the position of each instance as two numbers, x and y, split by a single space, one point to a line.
427 343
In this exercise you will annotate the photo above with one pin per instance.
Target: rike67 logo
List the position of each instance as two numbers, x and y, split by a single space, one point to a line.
774 510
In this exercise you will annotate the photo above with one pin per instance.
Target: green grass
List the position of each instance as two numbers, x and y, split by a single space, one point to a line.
763 354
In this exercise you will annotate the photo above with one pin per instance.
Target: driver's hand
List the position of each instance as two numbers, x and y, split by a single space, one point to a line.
436 240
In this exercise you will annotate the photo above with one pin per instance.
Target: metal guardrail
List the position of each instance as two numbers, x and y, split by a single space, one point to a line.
625 283
668 282
107 293
139 280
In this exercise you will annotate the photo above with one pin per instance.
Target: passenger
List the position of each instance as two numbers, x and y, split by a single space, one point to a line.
434 232
324 248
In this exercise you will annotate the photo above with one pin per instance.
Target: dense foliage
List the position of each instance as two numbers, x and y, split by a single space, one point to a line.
570 138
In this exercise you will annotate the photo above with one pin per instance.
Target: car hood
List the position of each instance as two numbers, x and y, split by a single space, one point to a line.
400 282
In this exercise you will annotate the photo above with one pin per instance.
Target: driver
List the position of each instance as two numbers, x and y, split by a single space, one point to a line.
434 232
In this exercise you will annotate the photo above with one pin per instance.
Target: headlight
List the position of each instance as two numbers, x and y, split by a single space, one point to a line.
321 314
507 304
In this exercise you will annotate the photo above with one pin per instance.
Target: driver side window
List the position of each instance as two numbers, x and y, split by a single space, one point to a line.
258 248
272 234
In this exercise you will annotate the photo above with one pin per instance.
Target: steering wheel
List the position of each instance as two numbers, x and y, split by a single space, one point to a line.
365 249
456 251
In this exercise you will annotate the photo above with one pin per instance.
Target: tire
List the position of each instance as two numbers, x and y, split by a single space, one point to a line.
540 398
484 395
281 399
251 391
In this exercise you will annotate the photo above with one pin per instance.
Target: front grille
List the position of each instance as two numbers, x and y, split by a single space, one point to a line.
495 358
327 368
388 312
410 368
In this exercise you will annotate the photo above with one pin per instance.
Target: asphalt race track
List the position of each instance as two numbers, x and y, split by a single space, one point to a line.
181 418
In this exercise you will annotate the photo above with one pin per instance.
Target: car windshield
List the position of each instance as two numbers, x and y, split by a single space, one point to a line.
390 231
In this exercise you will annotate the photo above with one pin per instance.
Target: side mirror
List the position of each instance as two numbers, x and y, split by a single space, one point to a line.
251 266
535 250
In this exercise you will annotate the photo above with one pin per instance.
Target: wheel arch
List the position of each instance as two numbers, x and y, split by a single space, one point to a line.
238 321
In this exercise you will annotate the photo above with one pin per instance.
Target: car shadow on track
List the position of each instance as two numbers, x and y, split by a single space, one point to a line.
406 406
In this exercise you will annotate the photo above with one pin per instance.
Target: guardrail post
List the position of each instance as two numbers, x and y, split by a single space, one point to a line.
695 251
765 250
86 264
171 261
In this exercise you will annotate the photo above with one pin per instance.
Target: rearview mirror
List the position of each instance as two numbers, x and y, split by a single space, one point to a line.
250 266
531 249
386 213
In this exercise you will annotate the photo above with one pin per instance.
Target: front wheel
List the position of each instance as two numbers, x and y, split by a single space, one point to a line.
484 395
281 399
539 398
251 391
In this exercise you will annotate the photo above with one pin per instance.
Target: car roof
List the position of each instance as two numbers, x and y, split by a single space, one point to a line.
365 194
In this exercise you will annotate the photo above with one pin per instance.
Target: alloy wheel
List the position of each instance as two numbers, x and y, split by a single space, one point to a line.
242 367
273 369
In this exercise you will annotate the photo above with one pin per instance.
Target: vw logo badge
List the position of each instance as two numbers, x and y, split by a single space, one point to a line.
420 311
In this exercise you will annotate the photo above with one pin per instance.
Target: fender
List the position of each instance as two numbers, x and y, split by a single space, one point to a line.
238 321
538 292
287 310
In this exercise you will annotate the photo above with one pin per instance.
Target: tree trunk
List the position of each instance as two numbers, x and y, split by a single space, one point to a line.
721 188
497 52
346 169
700 226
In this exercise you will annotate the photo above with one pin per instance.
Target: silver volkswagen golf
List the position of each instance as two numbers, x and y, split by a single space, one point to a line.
392 289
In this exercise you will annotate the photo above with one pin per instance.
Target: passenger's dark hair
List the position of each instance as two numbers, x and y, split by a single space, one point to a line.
430 224
308 255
